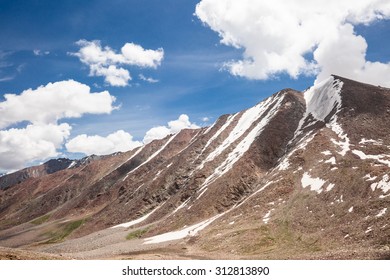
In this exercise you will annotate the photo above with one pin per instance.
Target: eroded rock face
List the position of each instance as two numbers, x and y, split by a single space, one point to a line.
299 168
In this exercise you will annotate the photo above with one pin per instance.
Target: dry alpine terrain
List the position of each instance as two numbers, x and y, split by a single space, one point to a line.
301 175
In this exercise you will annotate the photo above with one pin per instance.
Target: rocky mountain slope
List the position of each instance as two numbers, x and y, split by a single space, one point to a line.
299 175
49 167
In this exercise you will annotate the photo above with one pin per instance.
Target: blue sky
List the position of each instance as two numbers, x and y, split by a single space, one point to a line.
38 45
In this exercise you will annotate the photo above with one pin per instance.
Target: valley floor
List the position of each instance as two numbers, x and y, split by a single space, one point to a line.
181 250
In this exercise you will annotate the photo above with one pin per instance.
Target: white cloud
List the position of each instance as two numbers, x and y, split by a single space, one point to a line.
350 50
114 76
136 55
48 104
205 119
173 127
117 141
148 79
35 142
277 36
42 108
7 78
5 67
40 52
105 61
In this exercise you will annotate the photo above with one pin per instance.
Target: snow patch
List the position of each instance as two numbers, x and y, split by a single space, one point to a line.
350 209
193 139
371 141
344 142
229 120
158 174
327 153
153 155
244 123
302 145
73 163
329 187
284 165
137 221
181 206
378 158
369 178
315 184
246 142
322 98
340 200
267 217
334 168
369 229
383 184
258 191
332 161
209 128
127 175
381 213
180 234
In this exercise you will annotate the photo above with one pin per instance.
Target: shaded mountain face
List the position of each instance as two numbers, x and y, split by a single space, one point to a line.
299 173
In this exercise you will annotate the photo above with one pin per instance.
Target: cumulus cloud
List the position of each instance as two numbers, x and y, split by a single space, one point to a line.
279 36
32 143
173 127
48 104
117 141
105 61
42 108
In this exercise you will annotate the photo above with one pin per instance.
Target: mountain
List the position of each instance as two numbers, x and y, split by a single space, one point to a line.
49 167
299 175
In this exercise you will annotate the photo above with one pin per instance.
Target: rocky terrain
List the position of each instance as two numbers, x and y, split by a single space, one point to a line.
299 175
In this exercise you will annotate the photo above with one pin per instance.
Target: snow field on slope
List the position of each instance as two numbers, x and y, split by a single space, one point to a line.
243 124
383 184
321 100
381 213
180 234
153 155
285 164
378 158
245 144
137 221
315 184
229 120
323 97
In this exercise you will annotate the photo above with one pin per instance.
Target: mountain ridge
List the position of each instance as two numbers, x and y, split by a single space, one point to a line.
287 165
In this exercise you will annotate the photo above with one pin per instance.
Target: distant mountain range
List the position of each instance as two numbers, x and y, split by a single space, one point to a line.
299 175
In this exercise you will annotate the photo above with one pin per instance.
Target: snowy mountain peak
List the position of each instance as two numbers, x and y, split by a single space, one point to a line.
322 98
